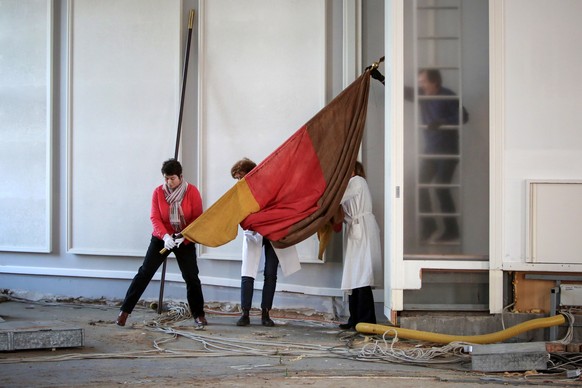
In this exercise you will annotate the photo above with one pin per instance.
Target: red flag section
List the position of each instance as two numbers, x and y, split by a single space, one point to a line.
296 190
287 186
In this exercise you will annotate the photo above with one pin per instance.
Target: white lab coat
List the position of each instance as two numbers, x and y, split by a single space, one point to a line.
363 256
252 252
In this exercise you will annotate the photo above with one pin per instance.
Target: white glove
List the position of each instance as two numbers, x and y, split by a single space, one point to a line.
169 242
179 241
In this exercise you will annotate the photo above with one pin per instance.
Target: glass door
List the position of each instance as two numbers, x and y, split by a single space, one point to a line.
446 139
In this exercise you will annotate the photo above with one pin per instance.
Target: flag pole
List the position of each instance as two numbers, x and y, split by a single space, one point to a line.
178 135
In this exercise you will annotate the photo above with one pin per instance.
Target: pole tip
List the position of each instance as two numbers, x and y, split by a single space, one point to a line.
191 19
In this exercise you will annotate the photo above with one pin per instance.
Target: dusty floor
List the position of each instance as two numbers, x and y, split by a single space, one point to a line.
157 350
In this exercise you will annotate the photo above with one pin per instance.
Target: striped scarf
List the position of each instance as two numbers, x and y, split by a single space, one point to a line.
174 199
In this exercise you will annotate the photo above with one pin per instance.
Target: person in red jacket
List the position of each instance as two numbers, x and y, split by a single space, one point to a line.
175 204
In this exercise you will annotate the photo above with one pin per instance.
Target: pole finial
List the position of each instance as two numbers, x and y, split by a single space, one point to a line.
191 19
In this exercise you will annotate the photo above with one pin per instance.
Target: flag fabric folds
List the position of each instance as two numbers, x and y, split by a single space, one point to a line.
296 190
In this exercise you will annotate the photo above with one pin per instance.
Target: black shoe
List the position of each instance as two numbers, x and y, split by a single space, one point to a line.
243 321
265 319
448 238
347 326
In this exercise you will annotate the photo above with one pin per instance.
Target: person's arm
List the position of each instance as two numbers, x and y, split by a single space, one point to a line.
156 214
192 208
352 190
338 219
449 111
444 112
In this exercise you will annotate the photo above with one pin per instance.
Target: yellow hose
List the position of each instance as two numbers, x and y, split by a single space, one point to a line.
499 336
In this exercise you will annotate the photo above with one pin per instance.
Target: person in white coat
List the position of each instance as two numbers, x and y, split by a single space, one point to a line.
362 258
253 245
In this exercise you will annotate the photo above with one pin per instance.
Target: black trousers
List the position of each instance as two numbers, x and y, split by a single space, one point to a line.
186 257
269 285
361 304
438 171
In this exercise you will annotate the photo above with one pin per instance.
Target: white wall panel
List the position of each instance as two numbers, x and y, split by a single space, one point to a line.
262 76
554 222
124 79
25 125
541 128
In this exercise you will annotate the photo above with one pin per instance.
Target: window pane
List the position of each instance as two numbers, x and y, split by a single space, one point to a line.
446 146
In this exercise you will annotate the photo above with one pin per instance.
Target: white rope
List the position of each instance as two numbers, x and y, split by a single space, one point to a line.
212 346
503 314
570 333
222 347
385 350
177 312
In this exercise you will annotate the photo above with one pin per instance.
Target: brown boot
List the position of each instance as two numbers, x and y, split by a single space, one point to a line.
121 318
201 320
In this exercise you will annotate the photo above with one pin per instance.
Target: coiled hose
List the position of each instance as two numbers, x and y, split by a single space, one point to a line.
499 336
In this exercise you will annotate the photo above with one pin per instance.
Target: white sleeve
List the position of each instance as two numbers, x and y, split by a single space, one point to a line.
251 254
352 190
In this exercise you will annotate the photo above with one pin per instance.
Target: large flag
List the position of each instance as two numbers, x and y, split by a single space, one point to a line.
296 190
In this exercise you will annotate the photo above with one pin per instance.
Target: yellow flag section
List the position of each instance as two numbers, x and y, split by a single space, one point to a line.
219 223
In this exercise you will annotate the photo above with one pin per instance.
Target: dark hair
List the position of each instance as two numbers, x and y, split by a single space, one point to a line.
433 76
244 166
172 167
359 170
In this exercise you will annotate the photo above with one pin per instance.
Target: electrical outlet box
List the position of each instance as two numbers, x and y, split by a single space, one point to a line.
570 295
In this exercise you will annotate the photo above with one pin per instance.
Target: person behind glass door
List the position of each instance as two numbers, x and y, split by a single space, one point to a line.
175 204
363 256
253 245
438 142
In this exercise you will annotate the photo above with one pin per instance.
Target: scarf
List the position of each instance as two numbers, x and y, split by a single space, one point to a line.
174 198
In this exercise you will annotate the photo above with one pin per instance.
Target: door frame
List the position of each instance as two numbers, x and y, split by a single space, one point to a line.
395 272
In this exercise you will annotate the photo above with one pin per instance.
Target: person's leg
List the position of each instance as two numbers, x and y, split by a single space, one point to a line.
353 308
427 174
366 311
446 170
186 257
247 286
152 261
270 283
444 174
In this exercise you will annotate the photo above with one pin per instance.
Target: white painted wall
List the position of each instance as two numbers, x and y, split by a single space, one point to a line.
25 125
95 266
124 84
256 89
542 137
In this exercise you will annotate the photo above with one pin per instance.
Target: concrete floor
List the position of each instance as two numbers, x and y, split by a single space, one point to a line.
299 351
